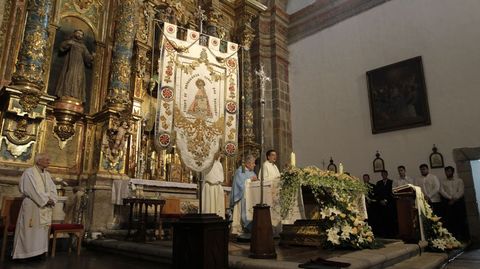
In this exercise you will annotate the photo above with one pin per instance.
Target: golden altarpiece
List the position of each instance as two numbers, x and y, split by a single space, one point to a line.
105 132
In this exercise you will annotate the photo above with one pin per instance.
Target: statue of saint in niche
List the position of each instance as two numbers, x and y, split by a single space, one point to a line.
72 79
200 106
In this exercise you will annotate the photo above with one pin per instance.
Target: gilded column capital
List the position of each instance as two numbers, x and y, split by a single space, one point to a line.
31 61
118 97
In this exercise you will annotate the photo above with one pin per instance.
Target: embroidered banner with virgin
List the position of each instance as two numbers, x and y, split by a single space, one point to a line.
197 104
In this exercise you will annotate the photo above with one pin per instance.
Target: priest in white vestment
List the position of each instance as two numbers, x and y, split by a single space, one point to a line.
34 219
212 191
271 173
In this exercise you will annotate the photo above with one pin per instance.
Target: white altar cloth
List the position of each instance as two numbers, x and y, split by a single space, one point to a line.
271 197
121 187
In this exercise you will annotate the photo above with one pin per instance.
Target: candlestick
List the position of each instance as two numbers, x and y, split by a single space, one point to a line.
292 159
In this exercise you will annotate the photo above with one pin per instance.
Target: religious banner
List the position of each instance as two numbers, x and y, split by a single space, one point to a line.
197 107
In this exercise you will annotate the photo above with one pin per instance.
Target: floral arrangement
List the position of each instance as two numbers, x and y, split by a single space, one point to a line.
438 237
338 196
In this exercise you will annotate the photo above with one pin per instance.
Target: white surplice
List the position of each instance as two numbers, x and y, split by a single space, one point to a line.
271 173
212 192
34 219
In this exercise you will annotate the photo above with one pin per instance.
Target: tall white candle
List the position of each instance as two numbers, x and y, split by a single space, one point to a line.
340 168
292 159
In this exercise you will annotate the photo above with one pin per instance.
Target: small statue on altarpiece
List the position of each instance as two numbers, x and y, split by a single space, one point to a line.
72 78
120 136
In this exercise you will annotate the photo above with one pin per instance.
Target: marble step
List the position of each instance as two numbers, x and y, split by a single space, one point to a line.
392 254
429 260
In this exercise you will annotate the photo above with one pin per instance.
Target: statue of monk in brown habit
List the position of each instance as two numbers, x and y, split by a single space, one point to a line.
72 78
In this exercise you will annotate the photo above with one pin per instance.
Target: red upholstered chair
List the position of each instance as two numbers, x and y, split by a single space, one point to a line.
72 229
8 215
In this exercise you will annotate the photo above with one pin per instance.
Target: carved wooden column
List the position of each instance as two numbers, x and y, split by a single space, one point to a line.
118 97
31 59
142 62
11 28
246 11
25 100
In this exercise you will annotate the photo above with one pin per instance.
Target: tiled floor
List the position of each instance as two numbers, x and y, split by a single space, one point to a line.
87 260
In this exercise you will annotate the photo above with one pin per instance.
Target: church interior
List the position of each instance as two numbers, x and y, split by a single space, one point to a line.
159 120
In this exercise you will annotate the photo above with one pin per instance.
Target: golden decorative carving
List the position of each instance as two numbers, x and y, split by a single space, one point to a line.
146 15
29 100
7 6
247 37
28 74
141 64
97 80
121 69
20 131
114 140
67 111
36 45
118 99
89 10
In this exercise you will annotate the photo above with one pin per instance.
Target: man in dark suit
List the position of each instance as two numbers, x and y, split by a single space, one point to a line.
371 203
387 213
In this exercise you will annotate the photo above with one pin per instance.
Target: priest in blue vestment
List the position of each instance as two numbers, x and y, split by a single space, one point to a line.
237 196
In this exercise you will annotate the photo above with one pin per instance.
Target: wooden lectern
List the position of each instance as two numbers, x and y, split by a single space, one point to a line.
407 213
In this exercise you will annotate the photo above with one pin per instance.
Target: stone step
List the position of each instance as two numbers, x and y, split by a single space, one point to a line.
389 255
427 260
395 253
160 253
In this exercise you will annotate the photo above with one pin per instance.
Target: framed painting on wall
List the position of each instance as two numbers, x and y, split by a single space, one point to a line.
398 96
436 158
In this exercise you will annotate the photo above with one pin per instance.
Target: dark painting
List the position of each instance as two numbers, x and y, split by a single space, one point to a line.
398 96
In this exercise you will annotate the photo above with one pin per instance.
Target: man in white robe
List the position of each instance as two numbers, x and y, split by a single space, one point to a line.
271 173
34 219
212 191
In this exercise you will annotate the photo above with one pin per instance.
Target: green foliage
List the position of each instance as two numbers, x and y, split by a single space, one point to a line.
339 197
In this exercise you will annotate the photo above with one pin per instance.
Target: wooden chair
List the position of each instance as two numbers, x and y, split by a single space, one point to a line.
72 229
170 214
76 228
8 215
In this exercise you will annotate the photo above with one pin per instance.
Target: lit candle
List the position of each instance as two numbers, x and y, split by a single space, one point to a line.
292 159
340 168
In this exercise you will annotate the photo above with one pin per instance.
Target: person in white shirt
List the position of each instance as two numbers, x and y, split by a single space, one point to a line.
430 186
452 190
403 179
